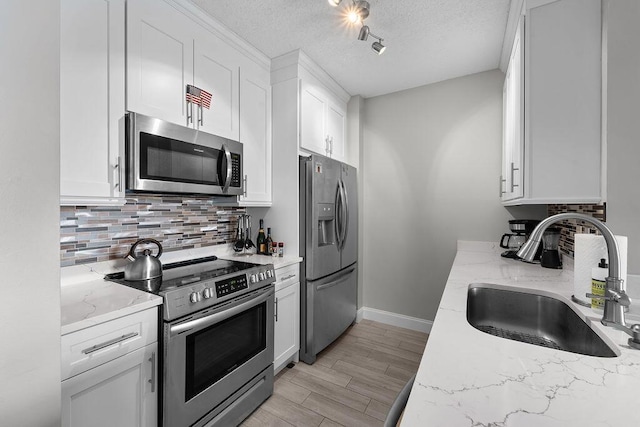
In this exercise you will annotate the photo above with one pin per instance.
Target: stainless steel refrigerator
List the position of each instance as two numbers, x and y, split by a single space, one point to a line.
329 248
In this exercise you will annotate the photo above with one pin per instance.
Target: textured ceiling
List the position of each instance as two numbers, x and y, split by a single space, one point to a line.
427 40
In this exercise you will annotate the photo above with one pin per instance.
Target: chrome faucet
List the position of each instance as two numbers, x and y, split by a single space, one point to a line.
615 297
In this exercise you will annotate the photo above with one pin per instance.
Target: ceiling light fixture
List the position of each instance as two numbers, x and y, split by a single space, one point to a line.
356 12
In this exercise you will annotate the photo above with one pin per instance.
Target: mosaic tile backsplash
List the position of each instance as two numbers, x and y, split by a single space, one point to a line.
571 227
96 233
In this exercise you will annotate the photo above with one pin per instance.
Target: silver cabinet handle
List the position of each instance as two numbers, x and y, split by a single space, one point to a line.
287 277
118 167
500 182
152 381
244 186
276 310
513 169
189 112
109 343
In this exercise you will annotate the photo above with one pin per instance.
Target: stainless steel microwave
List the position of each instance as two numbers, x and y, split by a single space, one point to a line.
163 157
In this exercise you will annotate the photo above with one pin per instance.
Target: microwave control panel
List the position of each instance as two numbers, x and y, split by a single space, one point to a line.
236 173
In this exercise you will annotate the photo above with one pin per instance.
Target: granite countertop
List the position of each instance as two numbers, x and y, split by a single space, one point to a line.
469 378
87 299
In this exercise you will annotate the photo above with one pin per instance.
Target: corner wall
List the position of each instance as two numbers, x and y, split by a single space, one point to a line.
623 123
432 157
29 191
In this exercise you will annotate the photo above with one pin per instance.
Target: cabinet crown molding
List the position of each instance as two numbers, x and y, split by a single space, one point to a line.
219 29
295 63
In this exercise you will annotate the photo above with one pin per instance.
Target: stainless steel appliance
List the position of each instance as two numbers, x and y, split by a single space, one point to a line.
163 157
329 247
217 339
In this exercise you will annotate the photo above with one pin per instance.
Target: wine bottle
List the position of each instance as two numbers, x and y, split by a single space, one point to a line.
261 241
269 242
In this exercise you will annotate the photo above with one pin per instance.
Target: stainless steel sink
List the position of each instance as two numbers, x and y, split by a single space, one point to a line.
532 318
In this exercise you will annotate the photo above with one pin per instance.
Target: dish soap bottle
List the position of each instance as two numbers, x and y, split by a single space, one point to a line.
599 284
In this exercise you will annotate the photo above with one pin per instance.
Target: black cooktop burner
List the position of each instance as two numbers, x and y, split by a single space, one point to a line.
183 273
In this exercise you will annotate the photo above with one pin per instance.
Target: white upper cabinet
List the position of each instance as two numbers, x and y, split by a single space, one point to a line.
216 70
92 102
255 134
319 103
159 60
322 120
562 109
511 181
166 51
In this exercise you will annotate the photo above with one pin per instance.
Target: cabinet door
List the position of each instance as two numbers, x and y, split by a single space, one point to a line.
122 392
92 107
287 316
336 126
159 60
512 184
313 136
255 134
216 70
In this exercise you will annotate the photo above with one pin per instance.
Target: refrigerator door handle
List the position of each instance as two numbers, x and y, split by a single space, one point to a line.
345 217
338 220
336 281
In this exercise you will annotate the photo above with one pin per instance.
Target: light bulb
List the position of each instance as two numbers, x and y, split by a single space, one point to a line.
353 16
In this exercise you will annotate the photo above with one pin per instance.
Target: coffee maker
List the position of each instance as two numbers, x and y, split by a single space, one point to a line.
550 257
520 231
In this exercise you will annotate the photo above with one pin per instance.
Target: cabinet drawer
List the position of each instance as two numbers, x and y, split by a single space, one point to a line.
287 276
91 347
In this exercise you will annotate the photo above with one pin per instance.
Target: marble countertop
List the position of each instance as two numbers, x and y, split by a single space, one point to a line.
87 299
469 378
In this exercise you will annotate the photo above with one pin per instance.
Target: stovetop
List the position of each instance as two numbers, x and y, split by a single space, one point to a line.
193 285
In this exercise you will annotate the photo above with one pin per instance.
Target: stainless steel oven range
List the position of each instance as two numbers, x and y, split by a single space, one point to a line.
217 339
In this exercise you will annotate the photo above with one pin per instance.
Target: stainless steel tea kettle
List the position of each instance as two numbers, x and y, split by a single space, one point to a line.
145 266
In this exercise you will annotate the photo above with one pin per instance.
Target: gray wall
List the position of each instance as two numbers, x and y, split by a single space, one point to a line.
29 191
623 123
430 165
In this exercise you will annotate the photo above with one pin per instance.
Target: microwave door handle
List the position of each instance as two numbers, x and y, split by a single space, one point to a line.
227 180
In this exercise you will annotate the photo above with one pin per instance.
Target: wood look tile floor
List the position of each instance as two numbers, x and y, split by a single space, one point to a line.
353 382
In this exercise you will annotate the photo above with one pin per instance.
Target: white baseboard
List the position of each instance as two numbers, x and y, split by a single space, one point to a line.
394 319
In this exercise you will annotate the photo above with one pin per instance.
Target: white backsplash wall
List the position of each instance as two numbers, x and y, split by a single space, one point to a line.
431 160
101 233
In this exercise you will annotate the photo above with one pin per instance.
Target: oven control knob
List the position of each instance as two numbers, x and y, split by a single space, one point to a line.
269 274
207 293
261 276
253 278
194 297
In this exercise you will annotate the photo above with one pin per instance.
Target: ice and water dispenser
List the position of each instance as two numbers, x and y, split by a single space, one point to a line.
326 225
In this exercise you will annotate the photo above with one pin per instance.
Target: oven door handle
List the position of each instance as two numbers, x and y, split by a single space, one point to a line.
222 315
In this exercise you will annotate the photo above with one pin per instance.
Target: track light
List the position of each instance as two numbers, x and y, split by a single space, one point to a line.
356 12
364 33
378 47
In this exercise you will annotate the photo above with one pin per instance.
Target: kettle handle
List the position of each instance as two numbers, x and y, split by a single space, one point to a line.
132 252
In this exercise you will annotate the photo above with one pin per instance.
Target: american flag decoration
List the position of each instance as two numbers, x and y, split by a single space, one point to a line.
206 98
198 96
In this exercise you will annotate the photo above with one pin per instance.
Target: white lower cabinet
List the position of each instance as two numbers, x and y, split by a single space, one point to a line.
122 392
110 373
287 316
